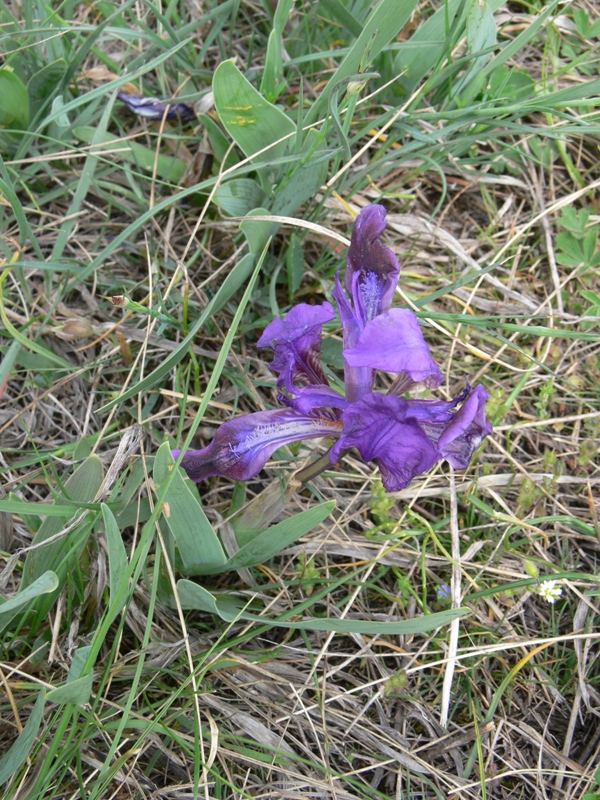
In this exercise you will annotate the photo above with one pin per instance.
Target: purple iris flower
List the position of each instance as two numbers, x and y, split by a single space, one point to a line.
405 437
154 109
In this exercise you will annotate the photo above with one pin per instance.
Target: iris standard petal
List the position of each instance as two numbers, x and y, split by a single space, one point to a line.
296 340
351 324
468 428
154 109
242 446
394 342
357 380
378 426
372 269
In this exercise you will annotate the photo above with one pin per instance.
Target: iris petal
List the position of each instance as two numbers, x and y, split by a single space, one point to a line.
242 446
296 340
372 269
394 342
378 426
466 431
310 398
154 109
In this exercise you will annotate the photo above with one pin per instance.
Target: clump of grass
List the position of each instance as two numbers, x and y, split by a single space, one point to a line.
145 652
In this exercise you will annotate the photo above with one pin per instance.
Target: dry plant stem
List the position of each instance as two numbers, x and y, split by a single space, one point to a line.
456 593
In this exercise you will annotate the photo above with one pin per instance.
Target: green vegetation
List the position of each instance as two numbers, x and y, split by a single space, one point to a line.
277 639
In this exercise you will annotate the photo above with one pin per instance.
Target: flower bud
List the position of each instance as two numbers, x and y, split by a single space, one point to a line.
74 329
531 569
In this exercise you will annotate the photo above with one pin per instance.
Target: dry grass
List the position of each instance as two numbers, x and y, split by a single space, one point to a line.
502 705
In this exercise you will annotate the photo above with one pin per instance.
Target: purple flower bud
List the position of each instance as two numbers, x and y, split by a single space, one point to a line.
154 109
358 380
242 446
372 270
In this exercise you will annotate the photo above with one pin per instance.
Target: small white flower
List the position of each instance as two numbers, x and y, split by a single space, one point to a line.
550 591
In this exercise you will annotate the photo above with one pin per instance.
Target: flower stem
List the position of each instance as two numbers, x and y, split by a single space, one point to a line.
310 472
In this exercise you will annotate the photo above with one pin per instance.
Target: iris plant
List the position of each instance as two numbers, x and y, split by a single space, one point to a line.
406 437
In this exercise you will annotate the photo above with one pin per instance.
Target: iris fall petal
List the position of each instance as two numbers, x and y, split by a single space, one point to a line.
242 446
378 426
466 431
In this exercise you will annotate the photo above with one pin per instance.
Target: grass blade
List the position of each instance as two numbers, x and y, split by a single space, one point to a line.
19 751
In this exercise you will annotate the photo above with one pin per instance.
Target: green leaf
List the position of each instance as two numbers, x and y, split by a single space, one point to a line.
14 101
117 555
168 168
381 28
234 281
44 83
255 516
20 507
61 554
270 542
511 85
80 660
45 584
199 547
23 744
192 596
571 247
294 263
60 117
239 196
259 232
220 144
22 217
481 28
272 82
583 95
574 221
591 297
78 687
340 13
303 182
76 692
83 448
9 356
427 46
251 121
481 35
588 246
